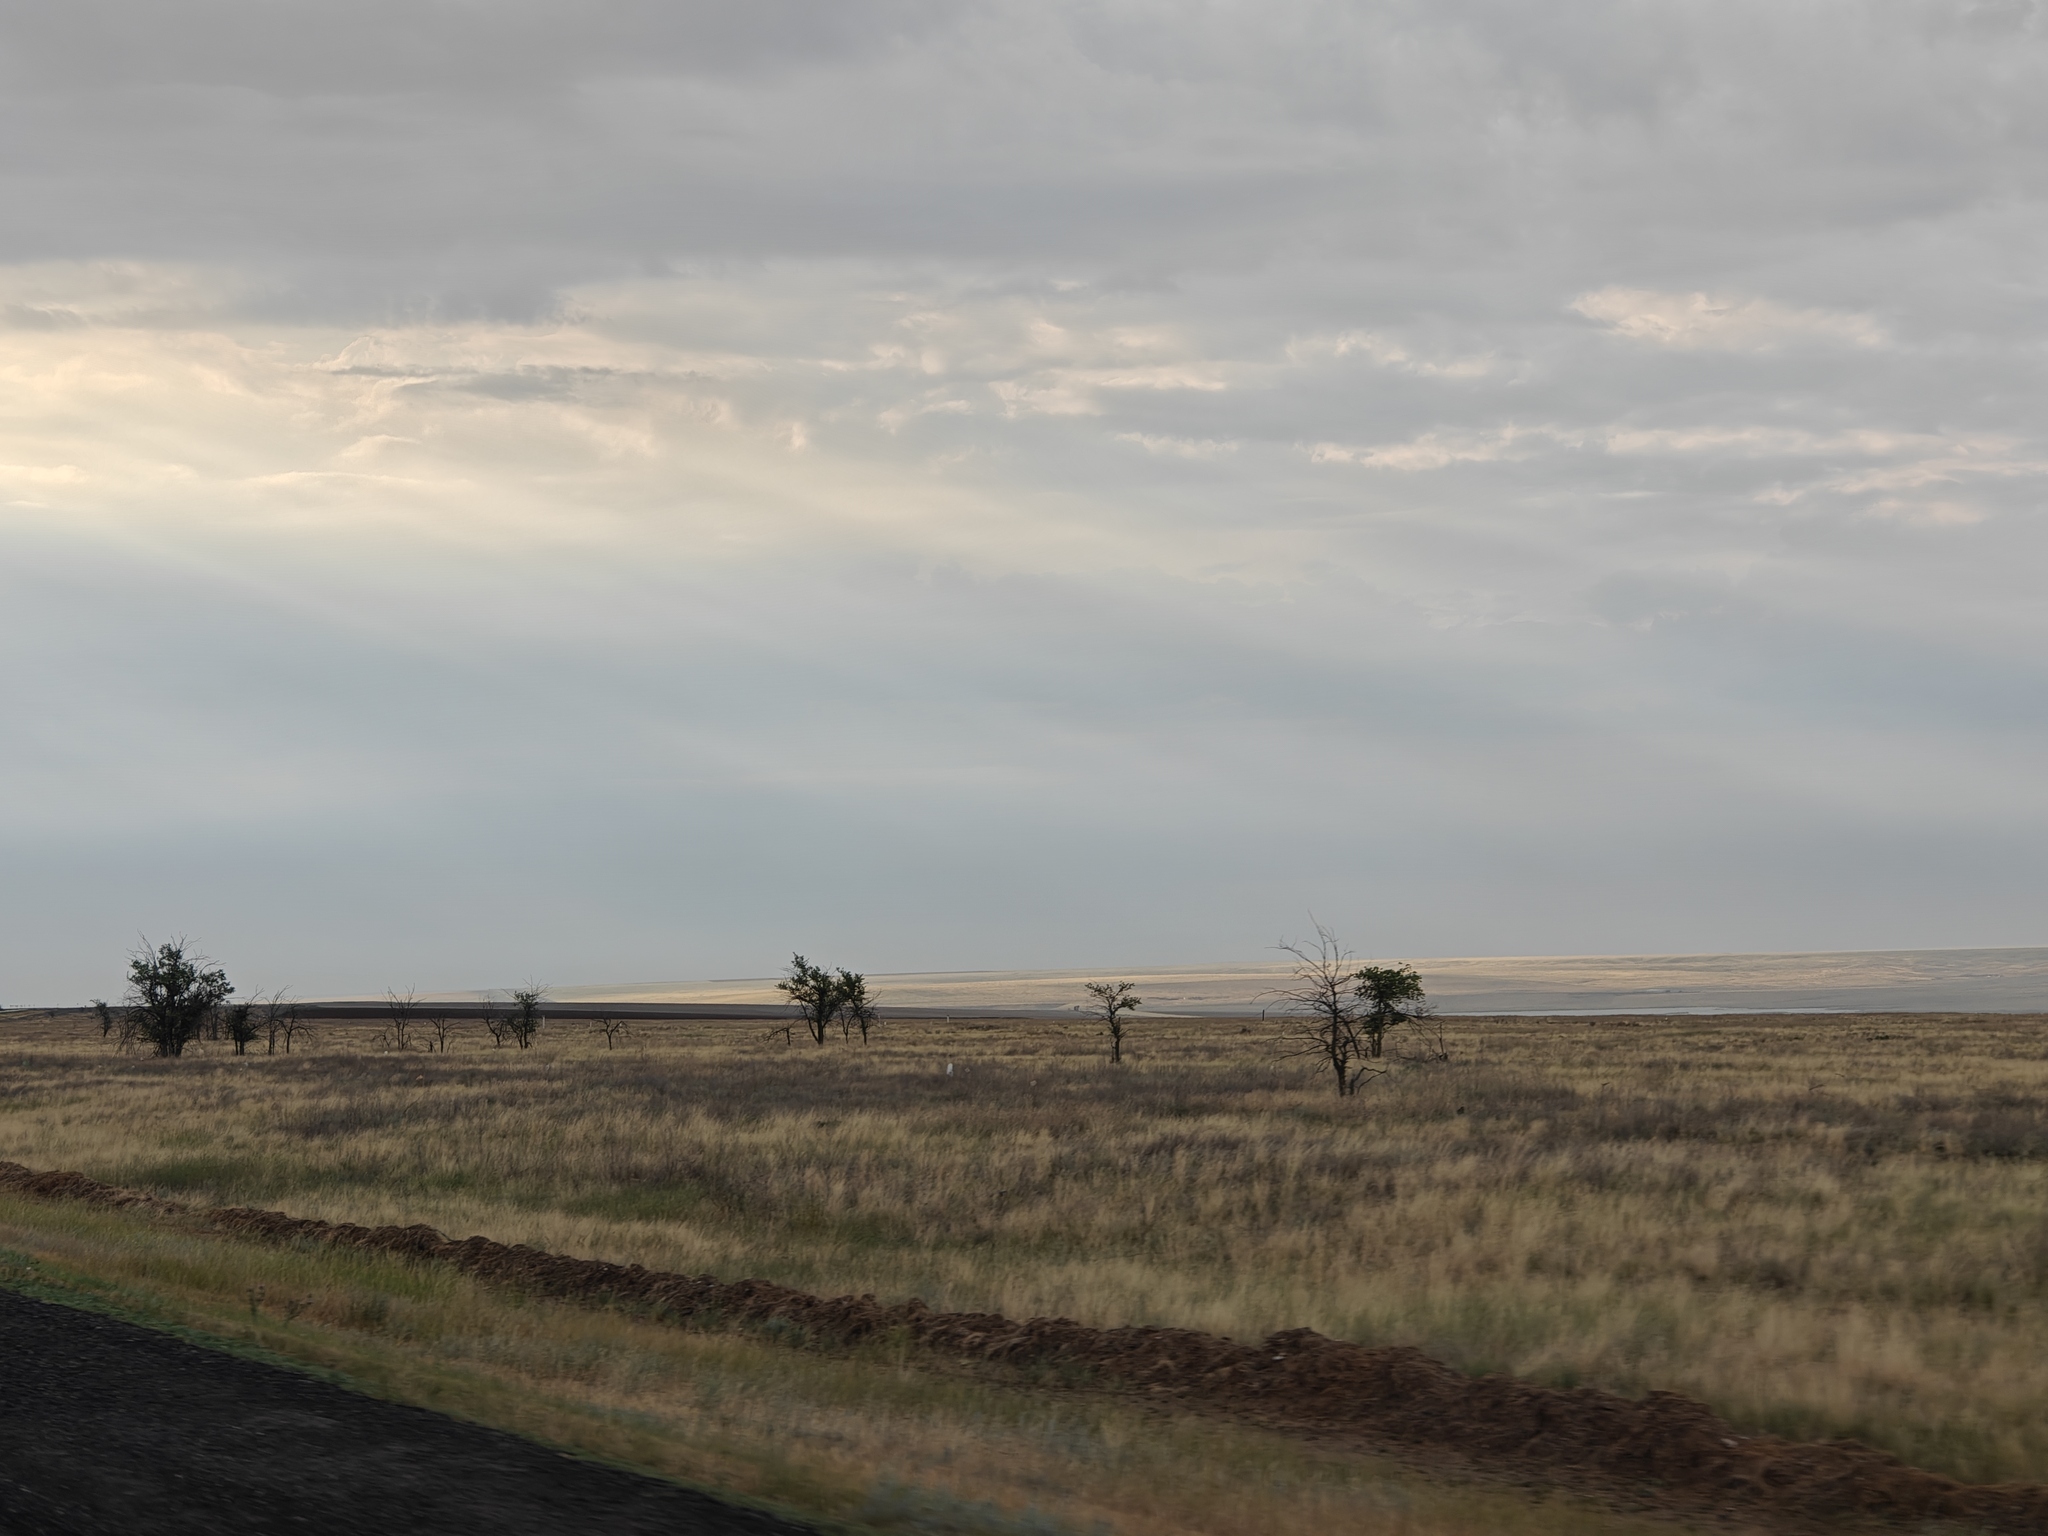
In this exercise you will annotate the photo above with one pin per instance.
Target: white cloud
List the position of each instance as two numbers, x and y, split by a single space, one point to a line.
1442 449
1179 447
1940 469
1761 441
61 294
1389 354
1698 321
1078 391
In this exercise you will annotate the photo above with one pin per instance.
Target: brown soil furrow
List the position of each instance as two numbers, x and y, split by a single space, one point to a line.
1297 1378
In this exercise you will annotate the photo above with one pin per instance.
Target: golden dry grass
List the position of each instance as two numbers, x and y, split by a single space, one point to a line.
859 1439
1821 1226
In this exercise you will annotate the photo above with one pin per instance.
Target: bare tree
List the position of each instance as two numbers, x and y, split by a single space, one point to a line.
611 1028
523 1020
1434 1048
856 1008
116 1022
280 1021
1113 999
494 1022
403 1007
438 1027
1320 1014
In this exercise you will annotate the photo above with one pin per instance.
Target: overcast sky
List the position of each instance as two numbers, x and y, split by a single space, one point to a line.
617 491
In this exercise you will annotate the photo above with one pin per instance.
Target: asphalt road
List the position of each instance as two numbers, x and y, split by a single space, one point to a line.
109 1428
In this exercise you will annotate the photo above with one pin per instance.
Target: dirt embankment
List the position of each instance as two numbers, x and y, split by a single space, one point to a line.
1665 1441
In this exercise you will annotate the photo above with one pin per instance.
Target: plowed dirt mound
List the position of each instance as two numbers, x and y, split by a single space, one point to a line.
1297 1378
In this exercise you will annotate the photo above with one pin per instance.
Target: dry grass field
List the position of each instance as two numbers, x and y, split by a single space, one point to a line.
1822 1226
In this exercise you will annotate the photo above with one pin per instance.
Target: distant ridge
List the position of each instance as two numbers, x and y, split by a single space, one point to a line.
1841 981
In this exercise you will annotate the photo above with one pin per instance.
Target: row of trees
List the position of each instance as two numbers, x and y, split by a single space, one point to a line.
516 1021
174 998
1337 1014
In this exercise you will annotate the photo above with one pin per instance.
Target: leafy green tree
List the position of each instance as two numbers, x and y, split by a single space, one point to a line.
817 994
856 1009
1114 999
1388 995
524 1018
172 995
825 997
242 1025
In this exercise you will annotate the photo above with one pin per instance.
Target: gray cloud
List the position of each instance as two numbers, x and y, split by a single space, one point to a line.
492 490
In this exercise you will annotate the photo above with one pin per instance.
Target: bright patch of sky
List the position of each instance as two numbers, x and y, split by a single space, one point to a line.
621 491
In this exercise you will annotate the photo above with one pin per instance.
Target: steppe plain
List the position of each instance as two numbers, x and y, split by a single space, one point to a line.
1826 1225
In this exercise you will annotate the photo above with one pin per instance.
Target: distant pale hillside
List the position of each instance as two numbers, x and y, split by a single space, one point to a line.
1969 980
